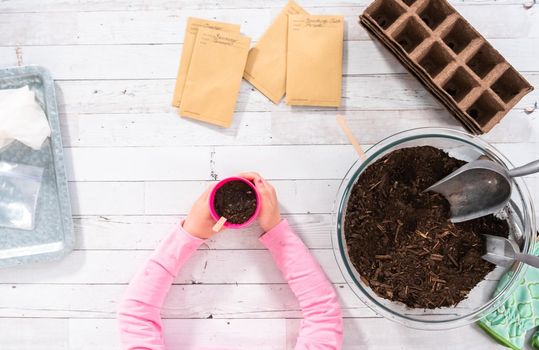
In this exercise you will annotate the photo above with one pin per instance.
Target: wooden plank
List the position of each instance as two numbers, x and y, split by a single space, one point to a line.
295 196
163 129
108 197
214 267
145 232
176 198
161 61
183 301
188 334
28 334
278 334
271 128
168 27
372 126
361 93
137 163
13 6
197 301
290 162
205 266
381 334
298 162
401 92
206 163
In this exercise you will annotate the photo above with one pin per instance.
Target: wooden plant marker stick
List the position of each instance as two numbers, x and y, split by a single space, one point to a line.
219 224
344 126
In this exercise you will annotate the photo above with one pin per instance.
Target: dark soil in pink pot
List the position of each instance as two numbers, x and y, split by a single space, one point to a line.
236 201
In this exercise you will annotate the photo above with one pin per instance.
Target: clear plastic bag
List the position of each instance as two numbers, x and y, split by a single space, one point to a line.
19 191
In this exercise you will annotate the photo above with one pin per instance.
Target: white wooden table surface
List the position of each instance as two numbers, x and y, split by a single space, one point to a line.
134 166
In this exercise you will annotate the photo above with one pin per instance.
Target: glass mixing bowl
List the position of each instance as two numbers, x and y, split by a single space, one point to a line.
481 299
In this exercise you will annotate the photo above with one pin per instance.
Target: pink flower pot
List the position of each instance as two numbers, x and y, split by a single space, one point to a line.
220 184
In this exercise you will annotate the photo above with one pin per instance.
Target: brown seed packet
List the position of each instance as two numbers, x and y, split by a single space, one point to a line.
314 60
193 24
266 63
214 77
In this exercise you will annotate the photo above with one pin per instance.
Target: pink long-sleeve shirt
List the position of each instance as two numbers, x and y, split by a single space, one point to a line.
139 313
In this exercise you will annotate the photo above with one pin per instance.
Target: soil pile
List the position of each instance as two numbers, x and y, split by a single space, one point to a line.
400 238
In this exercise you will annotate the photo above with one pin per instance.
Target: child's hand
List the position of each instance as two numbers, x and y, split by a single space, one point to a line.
199 222
269 215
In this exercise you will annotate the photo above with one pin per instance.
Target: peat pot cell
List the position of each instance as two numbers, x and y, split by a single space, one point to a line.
459 85
460 36
386 13
484 109
484 60
435 12
411 35
436 59
509 85
409 2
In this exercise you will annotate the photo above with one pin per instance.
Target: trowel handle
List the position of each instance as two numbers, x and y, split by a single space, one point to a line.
528 259
527 169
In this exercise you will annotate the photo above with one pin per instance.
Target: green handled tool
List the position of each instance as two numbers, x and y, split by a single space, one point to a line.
520 313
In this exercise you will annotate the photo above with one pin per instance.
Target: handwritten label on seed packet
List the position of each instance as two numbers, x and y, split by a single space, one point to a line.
191 30
314 60
213 81
266 63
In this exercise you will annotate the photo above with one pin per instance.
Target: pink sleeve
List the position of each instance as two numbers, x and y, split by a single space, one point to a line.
139 313
322 324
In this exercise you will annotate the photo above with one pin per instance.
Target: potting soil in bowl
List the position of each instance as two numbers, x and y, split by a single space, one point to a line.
236 201
400 238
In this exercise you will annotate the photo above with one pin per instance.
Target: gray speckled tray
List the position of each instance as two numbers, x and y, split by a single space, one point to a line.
53 235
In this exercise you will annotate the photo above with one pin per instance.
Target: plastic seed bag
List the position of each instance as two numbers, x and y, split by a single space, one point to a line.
19 191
